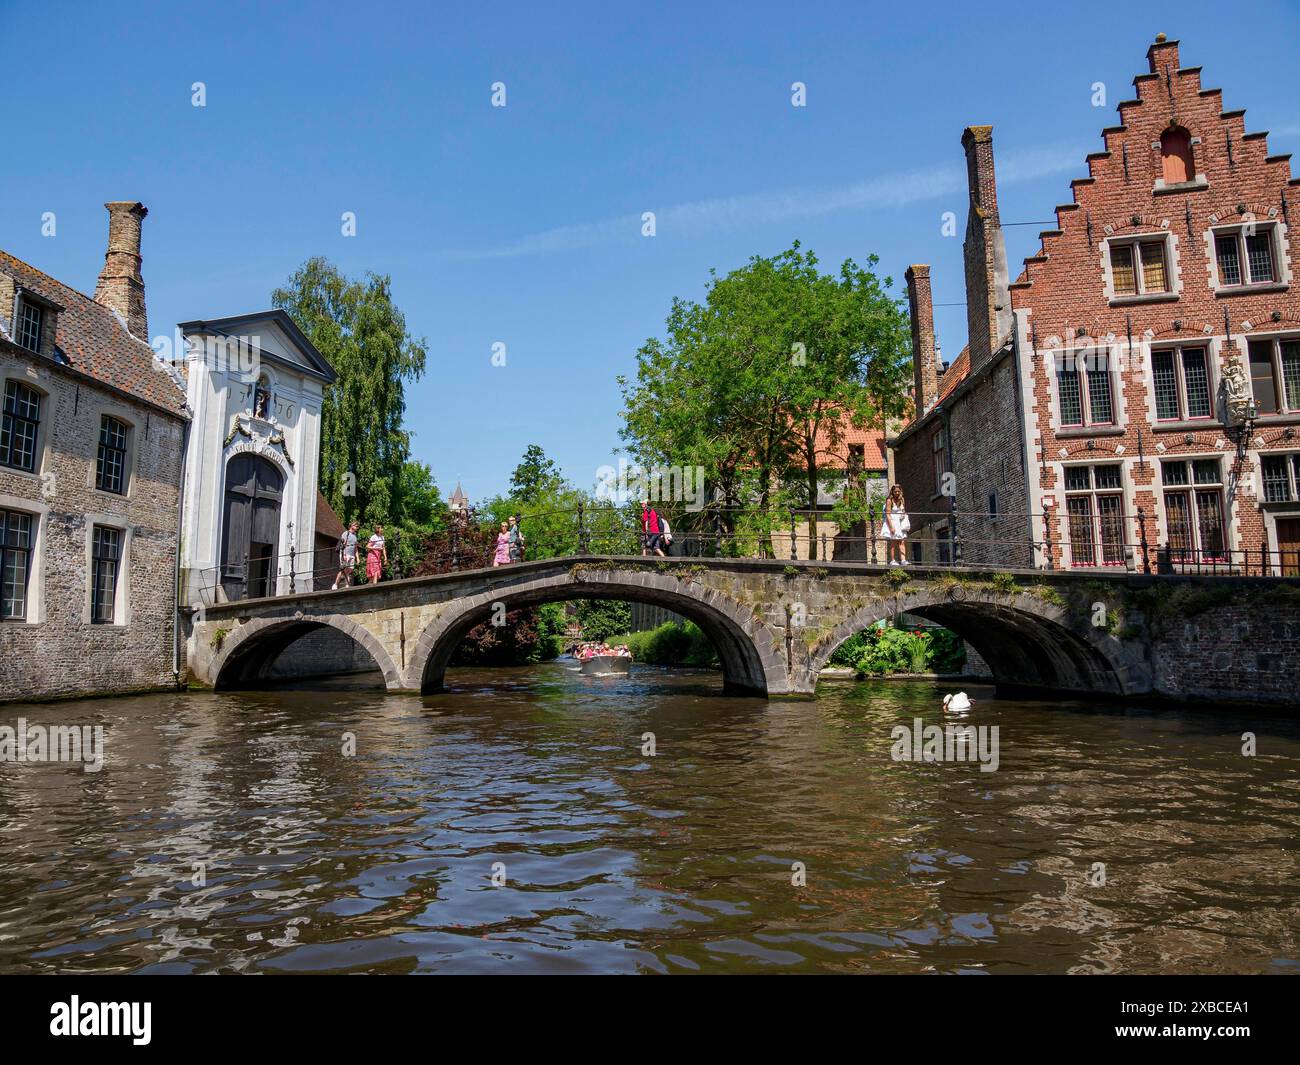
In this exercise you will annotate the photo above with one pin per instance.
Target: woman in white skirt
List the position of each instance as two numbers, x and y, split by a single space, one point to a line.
896 527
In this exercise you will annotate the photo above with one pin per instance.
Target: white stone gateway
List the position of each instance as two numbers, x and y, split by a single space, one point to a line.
254 385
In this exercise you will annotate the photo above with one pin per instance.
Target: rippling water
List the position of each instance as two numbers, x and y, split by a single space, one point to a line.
618 862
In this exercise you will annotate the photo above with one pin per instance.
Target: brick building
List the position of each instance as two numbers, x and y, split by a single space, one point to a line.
90 470
1133 397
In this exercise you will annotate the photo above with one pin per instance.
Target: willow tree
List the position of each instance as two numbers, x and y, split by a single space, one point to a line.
356 325
758 383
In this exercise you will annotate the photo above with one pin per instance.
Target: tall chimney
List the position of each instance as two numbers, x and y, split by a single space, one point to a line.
988 296
120 287
924 363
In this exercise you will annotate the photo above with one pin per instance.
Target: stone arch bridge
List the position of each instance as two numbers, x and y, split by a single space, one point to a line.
775 624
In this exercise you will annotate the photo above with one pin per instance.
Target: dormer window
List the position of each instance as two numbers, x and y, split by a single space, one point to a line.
1176 162
31 322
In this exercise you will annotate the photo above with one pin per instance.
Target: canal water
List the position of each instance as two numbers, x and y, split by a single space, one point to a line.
239 833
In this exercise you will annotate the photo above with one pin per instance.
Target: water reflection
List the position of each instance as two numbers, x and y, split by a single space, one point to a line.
233 833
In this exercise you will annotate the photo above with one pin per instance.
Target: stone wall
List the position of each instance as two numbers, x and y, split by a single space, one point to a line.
1228 641
57 651
321 652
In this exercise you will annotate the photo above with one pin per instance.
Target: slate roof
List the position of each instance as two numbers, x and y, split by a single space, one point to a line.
96 342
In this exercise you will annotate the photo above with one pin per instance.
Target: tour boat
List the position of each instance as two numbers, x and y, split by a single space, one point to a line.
606 665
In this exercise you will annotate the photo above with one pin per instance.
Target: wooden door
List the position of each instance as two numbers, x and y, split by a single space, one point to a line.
251 532
1288 546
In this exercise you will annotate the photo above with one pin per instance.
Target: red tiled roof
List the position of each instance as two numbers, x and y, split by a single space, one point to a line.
836 456
327 522
957 371
96 343
955 374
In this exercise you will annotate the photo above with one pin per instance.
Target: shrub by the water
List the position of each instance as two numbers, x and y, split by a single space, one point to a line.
671 644
890 650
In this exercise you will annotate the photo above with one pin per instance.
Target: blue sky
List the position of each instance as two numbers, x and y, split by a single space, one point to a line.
521 224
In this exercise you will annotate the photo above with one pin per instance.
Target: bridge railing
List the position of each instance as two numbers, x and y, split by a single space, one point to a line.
1107 540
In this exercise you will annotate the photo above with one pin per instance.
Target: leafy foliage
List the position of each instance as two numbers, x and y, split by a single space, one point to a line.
359 329
758 383
532 635
603 618
671 644
880 651
534 476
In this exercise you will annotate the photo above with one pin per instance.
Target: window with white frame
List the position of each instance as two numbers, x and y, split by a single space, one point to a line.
1246 255
1194 513
1275 374
1281 478
1140 266
1181 379
31 321
1094 509
1083 388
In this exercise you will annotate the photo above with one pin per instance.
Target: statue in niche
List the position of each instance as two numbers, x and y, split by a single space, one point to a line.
1236 391
261 399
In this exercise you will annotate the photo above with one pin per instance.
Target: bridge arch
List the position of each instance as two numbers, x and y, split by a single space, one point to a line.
750 662
247 654
1027 642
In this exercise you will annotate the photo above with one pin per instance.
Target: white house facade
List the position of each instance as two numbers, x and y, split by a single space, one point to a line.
254 386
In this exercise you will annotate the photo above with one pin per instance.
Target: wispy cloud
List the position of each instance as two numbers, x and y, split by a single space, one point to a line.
733 212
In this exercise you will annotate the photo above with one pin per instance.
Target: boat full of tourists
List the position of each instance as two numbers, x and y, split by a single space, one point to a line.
601 660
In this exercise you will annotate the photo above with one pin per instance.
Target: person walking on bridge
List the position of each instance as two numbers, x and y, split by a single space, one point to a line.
347 548
376 555
516 539
502 555
650 531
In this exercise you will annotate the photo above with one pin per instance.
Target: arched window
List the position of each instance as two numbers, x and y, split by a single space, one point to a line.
1176 156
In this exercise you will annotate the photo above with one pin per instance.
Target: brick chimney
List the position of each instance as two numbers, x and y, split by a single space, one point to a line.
988 297
924 364
120 287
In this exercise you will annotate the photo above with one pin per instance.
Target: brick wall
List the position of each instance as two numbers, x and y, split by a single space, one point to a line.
1065 301
1070 301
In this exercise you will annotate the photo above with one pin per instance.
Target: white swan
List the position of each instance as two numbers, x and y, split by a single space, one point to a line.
956 704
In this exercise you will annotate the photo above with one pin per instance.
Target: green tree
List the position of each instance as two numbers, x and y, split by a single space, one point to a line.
356 325
535 475
603 618
758 382
424 518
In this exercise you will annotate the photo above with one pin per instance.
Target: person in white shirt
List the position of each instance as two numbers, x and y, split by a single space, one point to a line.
347 549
